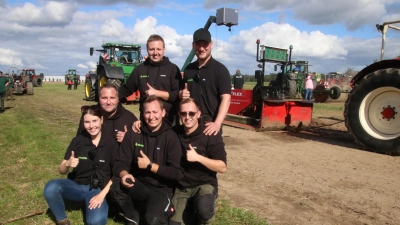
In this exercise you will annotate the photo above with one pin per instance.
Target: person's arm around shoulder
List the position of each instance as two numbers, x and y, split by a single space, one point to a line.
213 128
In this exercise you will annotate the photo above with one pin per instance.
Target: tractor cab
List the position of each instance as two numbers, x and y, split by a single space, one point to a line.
119 54
29 73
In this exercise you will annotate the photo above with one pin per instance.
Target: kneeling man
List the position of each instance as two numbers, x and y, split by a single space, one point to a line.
204 156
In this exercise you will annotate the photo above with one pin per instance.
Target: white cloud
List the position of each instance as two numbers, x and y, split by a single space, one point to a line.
52 14
10 57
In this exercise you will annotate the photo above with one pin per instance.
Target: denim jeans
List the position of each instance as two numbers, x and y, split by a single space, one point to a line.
57 190
308 94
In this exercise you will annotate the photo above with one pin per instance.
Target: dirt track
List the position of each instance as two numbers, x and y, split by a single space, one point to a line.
318 176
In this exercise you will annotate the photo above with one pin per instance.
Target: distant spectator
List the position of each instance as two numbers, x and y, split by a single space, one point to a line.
309 87
3 85
69 82
238 80
9 92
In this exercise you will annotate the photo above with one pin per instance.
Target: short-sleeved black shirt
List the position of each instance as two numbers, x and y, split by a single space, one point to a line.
207 84
104 157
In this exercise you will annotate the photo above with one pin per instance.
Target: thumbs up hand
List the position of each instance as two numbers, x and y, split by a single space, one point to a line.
185 93
72 161
151 90
121 134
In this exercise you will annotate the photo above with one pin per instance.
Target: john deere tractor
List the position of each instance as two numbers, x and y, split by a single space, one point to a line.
71 74
116 62
290 80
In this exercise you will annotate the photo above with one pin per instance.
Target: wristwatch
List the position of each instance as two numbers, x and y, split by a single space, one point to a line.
149 166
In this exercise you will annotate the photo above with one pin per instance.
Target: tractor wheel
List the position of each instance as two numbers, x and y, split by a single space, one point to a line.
320 96
37 82
371 111
89 91
292 89
29 88
335 92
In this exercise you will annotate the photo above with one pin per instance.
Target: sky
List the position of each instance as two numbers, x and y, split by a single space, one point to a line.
53 36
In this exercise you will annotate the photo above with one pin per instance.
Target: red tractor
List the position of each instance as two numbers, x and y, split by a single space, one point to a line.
22 83
371 109
331 85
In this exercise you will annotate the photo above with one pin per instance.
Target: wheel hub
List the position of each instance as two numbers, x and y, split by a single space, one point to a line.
388 112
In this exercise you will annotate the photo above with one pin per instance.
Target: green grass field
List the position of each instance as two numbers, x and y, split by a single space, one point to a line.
35 132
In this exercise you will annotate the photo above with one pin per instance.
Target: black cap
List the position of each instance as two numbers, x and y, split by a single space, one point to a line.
202 35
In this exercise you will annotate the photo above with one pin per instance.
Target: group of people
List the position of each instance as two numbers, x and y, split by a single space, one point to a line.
160 168
71 82
6 90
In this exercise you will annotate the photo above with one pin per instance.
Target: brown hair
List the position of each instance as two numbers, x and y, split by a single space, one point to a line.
154 37
108 84
153 98
189 100
93 110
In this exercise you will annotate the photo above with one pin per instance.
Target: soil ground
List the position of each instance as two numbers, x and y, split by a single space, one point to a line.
314 176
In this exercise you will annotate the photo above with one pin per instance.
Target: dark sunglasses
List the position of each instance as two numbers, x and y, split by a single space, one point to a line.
184 114
85 108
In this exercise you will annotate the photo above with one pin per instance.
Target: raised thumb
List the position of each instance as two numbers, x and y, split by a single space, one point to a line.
125 128
73 154
186 86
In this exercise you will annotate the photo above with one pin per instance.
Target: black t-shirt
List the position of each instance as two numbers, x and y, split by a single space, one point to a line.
238 81
207 84
104 157
211 147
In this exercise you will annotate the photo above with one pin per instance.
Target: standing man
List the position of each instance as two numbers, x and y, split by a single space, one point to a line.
209 82
238 80
309 87
3 85
76 81
155 76
148 166
116 118
10 87
204 157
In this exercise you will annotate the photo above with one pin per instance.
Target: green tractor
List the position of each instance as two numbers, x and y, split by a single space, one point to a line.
116 63
290 81
71 74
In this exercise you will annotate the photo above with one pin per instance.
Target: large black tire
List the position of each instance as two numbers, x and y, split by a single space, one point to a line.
320 97
370 111
89 91
335 92
29 88
104 79
292 89
37 82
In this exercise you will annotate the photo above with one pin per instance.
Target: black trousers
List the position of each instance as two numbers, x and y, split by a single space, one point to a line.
157 202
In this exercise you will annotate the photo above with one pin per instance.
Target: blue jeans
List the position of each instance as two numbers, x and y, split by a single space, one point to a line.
308 94
57 190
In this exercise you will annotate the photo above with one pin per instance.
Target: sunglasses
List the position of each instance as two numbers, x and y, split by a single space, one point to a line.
85 108
185 114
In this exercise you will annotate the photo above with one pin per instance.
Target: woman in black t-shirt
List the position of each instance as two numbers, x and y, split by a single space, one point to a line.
91 157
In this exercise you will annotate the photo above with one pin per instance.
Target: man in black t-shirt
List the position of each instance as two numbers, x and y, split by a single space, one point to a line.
203 157
238 80
209 82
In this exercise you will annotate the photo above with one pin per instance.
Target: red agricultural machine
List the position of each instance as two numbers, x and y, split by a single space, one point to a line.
372 106
270 107
22 81
331 85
